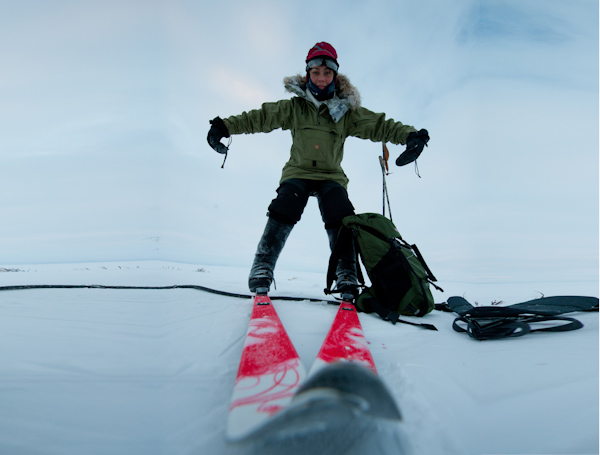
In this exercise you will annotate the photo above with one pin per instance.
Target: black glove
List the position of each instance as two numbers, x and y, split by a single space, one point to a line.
414 146
217 131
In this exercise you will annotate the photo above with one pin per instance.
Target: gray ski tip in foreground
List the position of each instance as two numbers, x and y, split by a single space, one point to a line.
343 408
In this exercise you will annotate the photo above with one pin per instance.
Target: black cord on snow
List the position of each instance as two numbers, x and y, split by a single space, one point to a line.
175 286
187 286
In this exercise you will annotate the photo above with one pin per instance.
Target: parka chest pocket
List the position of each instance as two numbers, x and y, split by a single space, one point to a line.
318 148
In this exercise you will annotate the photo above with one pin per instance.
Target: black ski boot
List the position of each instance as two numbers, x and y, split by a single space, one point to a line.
345 273
267 253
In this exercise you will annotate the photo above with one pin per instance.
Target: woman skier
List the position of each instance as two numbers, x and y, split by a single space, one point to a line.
325 110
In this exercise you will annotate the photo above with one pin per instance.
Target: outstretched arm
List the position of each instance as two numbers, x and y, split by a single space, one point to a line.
370 125
366 124
269 117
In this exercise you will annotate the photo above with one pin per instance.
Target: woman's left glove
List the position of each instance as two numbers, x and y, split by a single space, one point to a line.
414 146
217 131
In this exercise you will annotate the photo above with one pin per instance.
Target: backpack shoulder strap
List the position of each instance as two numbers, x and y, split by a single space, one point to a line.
381 236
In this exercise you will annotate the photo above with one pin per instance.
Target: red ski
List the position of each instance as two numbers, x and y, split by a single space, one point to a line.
271 396
269 374
345 342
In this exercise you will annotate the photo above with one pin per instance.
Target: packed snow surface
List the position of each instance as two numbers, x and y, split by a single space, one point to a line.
138 371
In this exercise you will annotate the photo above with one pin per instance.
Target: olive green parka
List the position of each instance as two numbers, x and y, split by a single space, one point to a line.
319 129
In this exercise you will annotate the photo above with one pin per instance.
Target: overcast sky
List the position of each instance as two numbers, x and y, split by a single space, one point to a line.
104 110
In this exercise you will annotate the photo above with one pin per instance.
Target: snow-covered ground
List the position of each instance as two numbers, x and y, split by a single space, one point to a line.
108 371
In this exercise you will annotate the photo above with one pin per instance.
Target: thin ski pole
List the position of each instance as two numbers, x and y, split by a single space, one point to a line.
383 161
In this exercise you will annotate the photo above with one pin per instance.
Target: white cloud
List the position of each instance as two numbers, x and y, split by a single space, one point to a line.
230 84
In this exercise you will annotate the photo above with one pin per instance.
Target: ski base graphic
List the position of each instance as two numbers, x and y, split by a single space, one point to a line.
269 374
345 342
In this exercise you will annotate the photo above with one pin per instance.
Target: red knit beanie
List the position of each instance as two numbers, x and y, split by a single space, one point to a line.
322 49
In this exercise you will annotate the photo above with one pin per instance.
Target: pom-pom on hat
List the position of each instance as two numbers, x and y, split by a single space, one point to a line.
322 54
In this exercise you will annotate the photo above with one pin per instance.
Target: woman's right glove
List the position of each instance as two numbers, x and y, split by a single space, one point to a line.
217 131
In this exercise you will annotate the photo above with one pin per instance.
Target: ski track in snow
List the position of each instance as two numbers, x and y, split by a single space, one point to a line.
101 371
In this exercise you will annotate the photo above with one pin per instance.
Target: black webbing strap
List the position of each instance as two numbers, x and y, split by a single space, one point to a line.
388 315
492 328
491 322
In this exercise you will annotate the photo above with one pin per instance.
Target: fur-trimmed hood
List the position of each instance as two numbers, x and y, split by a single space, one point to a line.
346 95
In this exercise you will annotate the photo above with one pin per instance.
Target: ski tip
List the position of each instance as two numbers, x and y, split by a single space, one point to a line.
344 408
353 383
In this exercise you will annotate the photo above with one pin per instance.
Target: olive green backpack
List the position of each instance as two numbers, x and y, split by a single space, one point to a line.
399 276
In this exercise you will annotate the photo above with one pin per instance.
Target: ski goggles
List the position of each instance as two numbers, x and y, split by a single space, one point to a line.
318 61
